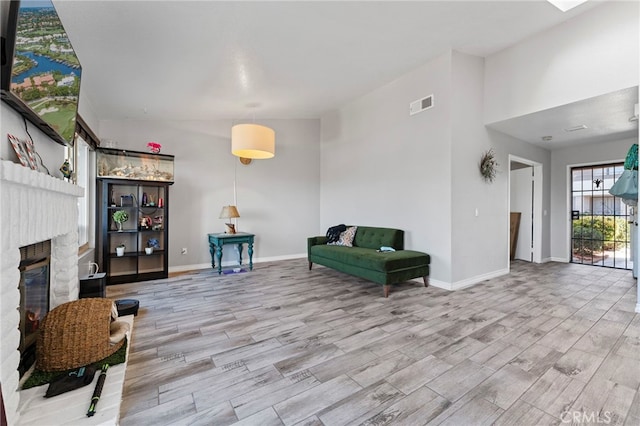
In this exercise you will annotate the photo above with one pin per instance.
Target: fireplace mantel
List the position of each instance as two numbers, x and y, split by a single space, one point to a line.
15 173
35 207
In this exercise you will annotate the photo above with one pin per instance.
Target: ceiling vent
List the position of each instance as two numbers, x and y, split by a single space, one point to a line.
421 105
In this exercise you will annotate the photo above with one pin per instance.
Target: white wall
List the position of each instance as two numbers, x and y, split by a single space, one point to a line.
506 145
561 159
277 198
382 167
471 234
592 54
481 243
11 122
86 110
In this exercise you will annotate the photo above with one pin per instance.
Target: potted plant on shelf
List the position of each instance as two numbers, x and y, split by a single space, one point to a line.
120 217
120 250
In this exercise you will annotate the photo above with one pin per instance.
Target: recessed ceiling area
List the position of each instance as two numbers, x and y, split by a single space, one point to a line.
606 117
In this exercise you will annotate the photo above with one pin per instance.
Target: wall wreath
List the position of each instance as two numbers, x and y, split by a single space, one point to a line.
489 166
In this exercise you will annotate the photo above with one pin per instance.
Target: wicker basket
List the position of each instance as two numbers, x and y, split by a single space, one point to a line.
75 334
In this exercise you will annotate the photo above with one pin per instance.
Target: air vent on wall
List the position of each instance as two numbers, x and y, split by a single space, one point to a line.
421 105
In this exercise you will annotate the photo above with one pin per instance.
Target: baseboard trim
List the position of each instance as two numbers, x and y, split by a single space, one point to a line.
284 257
559 259
435 283
185 268
458 285
468 282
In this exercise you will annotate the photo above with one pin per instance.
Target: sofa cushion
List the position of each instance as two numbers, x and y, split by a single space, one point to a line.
371 259
346 237
375 237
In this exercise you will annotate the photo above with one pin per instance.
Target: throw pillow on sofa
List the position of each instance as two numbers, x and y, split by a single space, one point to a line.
346 237
333 233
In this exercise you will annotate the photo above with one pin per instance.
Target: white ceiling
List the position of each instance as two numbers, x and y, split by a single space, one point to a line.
605 117
203 60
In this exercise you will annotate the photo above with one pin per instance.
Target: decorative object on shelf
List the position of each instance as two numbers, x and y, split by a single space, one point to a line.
65 169
157 223
229 212
120 217
19 147
31 153
153 243
252 141
126 200
154 147
148 250
489 166
25 151
120 250
145 223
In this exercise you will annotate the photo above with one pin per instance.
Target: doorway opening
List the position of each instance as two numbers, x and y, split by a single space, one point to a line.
600 228
525 200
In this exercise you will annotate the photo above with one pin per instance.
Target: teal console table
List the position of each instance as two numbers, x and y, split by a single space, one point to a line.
216 241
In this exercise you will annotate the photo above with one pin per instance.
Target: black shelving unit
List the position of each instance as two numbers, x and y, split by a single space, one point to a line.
146 204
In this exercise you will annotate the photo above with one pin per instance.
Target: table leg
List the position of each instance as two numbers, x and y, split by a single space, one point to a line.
219 256
250 251
240 253
212 250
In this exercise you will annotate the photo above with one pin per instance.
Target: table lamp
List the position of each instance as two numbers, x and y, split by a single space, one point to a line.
229 212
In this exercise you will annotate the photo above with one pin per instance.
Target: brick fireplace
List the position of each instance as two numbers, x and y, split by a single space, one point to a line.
35 208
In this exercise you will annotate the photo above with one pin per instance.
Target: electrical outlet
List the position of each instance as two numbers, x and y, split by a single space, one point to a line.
184 250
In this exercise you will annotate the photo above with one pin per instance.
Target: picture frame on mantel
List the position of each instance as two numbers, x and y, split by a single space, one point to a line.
31 154
20 150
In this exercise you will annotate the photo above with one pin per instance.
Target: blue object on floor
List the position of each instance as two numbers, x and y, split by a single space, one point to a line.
234 271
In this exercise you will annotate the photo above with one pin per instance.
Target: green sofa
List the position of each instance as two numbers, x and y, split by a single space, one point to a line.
364 261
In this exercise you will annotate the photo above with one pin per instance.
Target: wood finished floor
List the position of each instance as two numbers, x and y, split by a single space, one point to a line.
545 344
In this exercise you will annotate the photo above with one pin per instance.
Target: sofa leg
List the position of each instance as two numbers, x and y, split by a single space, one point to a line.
385 290
426 281
310 264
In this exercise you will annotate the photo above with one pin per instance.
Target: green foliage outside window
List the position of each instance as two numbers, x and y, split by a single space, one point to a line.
595 233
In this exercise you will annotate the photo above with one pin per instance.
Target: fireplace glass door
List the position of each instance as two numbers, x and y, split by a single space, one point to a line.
34 294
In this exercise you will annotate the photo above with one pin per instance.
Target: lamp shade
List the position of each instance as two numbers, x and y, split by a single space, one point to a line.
229 212
253 141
